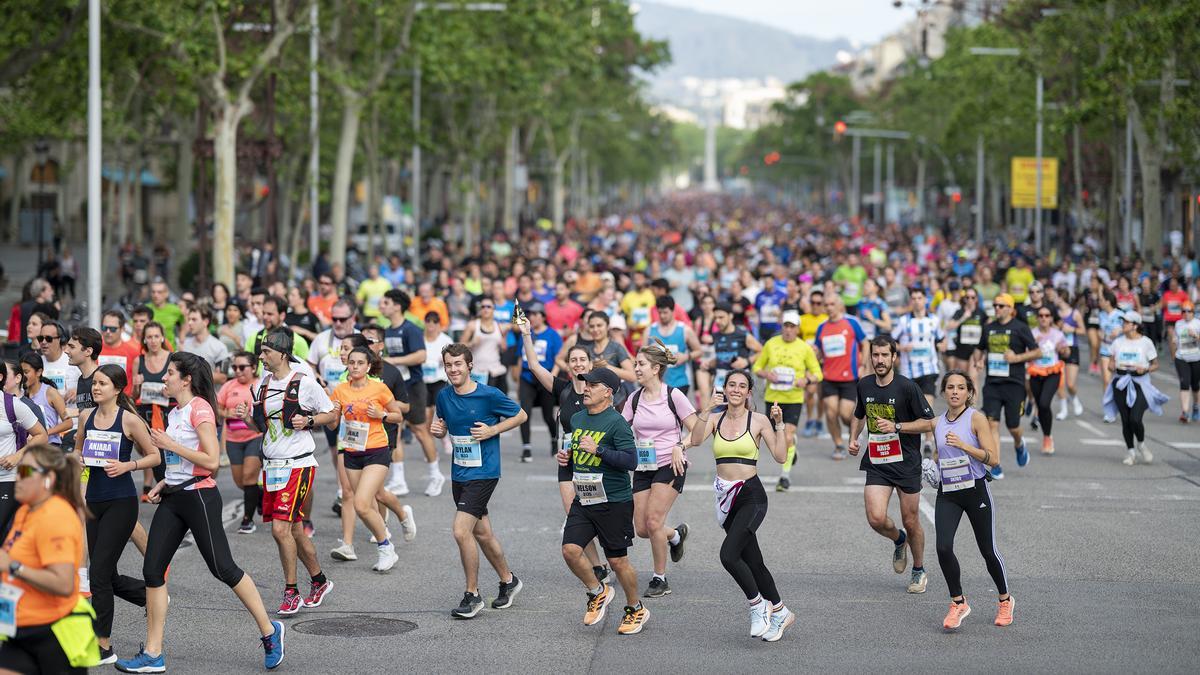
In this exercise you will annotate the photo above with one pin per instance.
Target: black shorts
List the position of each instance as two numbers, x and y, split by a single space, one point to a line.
846 391
791 411
1189 375
611 523
927 383
472 496
1072 358
418 398
908 484
642 480
1006 397
238 451
357 461
431 391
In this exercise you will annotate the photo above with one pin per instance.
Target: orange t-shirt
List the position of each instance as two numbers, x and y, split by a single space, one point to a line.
420 308
50 534
354 409
124 355
321 306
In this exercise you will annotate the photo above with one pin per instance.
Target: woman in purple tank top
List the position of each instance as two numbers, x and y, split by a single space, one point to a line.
966 450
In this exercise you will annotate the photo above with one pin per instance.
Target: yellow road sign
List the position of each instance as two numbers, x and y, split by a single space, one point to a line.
1024 182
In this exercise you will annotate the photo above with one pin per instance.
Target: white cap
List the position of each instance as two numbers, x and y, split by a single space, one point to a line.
1132 317
791 316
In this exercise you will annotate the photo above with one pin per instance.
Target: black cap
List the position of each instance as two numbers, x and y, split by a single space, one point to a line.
602 376
281 341
535 308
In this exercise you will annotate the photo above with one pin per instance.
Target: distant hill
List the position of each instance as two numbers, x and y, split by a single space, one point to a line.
711 46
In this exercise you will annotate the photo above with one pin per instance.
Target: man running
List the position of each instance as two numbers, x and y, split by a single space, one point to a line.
602 454
1009 345
787 363
839 340
894 411
474 415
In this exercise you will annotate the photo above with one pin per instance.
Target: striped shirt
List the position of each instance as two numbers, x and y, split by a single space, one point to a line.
922 334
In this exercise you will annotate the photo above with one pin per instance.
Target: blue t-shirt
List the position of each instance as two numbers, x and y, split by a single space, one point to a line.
486 404
403 340
547 343
503 311
770 308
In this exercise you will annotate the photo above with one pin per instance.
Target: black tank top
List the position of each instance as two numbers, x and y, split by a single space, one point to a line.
110 443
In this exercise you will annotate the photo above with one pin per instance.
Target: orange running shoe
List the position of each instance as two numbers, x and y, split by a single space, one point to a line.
1047 445
1004 615
634 621
596 605
958 612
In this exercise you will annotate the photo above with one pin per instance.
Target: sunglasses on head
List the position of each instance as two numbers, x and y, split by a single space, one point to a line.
47 338
27 470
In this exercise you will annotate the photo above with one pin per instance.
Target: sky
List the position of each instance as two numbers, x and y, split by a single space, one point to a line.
863 20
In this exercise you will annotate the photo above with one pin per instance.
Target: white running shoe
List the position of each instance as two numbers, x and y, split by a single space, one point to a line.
387 558
1109 419
1130 459
434 488
1062 414
780 621
344 552
1147 457
409 524
760 619
1077 407
398 488
386 532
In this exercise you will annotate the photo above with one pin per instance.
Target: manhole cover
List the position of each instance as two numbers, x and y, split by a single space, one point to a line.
355 626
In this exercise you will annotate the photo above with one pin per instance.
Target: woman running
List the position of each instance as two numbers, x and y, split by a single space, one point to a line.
1130 393
662 418
19 429
243 442
1089 302
109 432
1075 331
1110 329
741 500
41 391
1187 363
148 385
365 404
966 450
1045 373
189 501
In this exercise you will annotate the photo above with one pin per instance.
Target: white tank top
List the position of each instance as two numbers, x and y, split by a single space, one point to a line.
487 352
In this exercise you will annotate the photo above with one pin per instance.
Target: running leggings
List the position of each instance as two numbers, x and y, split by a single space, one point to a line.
977 503
1044 389
1189 375
107 532
200 512
1132 427
531 394
739 552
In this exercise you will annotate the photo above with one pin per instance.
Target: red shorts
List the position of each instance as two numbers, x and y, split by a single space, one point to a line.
287 504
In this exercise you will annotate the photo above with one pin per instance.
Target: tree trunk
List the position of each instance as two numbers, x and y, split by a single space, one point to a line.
1114 220
180 229
558 190
138 220
124 166
229 115
352 107
20 174
1150 162
510 180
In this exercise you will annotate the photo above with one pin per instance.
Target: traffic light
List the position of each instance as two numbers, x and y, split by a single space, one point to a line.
839 129
956 197
771 158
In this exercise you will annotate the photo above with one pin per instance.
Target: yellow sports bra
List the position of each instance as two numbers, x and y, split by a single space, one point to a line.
741 450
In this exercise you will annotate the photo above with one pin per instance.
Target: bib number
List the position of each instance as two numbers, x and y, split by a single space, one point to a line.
59 378
956 473
9 597
921 353
540 347
851 289
171 459
1049 355
641 316
647 456
276 474
394 345
152 394
467 451
1128 360
112 360
785 378
354 435
428 372
101 447
589 488
970 335
769 314
997 366
834 345
719 379
333 373
884 448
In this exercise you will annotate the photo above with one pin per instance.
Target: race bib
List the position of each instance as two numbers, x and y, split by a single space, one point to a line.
1128 360
58 377
113 360
276 474
997 366
834 345
785 378
353 436
540 348
373 304
956 473
429 372
152 394
1049 355
674 349
1071 339
467 451
9 597
970 334
1175 308
884 448
1148 315
334 371
640 316
719 379
589 488
769 313
647 456
394 345
101 447
171 459
921 352
851 289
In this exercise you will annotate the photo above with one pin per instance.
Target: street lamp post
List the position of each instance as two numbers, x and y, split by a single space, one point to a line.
42 150
94 236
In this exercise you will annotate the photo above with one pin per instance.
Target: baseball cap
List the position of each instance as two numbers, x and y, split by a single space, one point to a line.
602 376
791 316
535 308
1132 317
1004 299
281 341
954 285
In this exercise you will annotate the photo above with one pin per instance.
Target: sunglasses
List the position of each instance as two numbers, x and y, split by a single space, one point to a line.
373 342
110 329
1041 314
242 366
997 305
27 470
340 319
47 338
487 307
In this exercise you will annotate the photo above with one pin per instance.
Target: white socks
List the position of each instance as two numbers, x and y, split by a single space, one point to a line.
397 472
434 469
674 537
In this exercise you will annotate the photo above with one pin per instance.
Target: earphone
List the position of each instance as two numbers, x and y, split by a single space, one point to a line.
47 483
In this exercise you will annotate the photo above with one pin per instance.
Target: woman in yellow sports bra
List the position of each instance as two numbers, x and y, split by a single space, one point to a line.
741 500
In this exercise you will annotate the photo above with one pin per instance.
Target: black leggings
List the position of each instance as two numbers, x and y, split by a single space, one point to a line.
107 532
200 512
531 394
1189 375
739 552
1132 427
499 381
1044 390
35 650
8 507
977 503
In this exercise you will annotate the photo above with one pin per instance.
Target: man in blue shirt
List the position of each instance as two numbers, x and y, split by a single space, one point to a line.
474 415
547 342
769 305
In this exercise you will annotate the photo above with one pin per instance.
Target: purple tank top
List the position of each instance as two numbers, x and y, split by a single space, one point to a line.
958 469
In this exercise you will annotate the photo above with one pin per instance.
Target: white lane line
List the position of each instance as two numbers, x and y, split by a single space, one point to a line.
927 510
1090 427
1114 442
1186 446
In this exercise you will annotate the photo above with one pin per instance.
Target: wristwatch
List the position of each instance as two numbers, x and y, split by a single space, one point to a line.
14 568
310 423
897 427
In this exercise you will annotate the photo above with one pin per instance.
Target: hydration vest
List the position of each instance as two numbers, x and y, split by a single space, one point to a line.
291 403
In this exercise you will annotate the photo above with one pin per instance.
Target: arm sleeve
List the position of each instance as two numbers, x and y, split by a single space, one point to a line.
859 333
623 453
201 412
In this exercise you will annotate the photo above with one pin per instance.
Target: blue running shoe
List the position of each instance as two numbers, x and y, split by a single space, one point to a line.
273 646
143 663
809 430
1022 455
997 473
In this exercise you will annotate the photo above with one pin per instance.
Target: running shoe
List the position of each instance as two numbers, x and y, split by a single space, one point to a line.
1196 414
273 646
634 621
677 549
1147 456
508 592
954 617
344 552
597 604
107 657
918 582
997 472
1062 413
317 592
1130 458
1109 419
434 488
839 453
291 603
409 524
1183 418
760 618
819 426
526 455
467 609
387 558
1094 369
780 621
1033 423
143 663
1004 613
387 534
247 526
1022 454
657 588
337 507
1077 406
783 484
810 429
398 487
900 555
601 572
927 450
1047 445
309 529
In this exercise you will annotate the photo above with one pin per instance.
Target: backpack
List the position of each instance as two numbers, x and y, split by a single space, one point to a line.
10 410
637 396
291 403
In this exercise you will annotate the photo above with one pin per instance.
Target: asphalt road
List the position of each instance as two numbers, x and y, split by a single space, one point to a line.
1101 559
